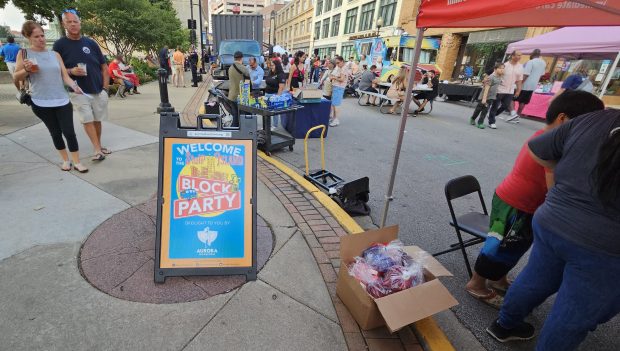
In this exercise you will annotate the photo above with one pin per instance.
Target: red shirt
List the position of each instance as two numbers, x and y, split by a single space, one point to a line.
525 187
113 67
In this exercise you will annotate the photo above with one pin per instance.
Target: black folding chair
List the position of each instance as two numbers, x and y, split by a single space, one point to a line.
473 223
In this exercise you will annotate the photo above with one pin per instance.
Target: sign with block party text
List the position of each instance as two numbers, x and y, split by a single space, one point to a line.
207 209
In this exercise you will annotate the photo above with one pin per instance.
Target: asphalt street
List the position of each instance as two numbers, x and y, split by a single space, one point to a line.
436 148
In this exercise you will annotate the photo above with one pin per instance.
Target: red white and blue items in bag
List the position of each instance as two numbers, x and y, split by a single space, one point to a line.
384 269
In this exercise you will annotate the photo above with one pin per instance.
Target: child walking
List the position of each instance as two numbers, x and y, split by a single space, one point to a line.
489 94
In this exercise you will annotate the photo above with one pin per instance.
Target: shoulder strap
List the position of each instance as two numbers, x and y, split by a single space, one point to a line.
238 70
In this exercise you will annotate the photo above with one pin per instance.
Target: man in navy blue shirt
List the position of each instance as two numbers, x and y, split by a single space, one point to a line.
86 64
9 53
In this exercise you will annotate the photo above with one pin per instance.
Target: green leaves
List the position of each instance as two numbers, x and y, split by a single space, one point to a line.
45 9
129 25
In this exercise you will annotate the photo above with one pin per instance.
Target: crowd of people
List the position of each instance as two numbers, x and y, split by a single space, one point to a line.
562 200
177 62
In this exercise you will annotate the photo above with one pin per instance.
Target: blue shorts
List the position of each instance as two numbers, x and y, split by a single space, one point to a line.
337 95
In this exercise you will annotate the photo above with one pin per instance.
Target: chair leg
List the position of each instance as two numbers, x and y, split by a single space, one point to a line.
467 265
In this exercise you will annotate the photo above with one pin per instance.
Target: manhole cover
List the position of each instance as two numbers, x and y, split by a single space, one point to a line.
117 258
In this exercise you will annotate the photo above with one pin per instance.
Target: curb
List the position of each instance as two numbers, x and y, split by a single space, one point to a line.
428 332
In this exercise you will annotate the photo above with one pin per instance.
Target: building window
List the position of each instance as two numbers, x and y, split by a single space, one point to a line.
367 16
302 27
319 7
337 4
309 26
328 5
325 28
295 31
349 24
335 25
317 30
387 8
349 51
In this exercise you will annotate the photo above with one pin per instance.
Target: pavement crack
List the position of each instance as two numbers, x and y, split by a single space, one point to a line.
302 303
274 253
132 274
210 320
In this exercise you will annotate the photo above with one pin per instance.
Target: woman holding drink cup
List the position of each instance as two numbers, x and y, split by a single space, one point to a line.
50 101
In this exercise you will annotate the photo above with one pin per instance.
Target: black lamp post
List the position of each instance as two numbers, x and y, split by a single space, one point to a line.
272 22
164 104
379 25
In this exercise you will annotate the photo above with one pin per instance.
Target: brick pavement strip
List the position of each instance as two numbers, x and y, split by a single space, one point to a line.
322 233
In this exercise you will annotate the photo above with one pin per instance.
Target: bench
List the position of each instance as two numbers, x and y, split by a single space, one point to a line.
386 102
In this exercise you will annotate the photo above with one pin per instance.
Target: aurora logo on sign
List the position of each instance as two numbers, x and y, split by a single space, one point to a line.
454 2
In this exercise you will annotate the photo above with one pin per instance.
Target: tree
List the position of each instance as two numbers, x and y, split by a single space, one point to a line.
5 31
125 26
45 9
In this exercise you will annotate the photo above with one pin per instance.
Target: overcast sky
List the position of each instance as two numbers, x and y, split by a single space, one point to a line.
12 17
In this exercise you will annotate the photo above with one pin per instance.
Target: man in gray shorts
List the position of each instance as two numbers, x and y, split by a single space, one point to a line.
86 64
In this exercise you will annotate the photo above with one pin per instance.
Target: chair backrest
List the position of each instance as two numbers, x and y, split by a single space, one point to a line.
461 186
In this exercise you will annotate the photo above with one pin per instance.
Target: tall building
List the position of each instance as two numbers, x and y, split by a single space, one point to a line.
338 23
272 7
294 26
243 6
188 9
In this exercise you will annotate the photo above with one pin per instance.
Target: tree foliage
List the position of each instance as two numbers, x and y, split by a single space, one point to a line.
125 26
45 9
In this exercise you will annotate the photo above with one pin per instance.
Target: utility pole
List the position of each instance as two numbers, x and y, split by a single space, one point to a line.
202 48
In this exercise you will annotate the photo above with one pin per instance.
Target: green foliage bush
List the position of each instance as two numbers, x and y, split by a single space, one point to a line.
143 71
3 66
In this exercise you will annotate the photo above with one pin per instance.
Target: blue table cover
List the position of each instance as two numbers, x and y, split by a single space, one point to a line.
310 116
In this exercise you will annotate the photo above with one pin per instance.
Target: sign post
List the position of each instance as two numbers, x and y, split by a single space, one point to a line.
206 197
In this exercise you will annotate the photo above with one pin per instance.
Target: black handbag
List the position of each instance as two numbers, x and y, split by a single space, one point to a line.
24 96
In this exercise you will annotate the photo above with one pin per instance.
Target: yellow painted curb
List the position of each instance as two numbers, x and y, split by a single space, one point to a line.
431 336
341 216
427 330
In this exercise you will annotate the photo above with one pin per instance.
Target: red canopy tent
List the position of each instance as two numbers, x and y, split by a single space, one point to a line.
506 13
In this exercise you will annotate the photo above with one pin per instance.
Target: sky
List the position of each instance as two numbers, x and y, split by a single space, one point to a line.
12 17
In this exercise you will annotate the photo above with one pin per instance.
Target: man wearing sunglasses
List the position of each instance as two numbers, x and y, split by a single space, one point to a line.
87 65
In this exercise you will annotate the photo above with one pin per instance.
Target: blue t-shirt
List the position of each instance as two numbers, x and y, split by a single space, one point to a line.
572 82
9 52
84 50
572 209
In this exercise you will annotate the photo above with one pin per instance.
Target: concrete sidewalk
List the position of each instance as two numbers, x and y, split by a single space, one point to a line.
47 215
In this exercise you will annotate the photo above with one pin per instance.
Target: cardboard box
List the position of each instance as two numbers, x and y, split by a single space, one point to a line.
398 309
308 95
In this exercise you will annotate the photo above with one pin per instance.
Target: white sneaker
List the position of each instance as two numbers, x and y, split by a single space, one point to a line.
334 122
513 116
492 126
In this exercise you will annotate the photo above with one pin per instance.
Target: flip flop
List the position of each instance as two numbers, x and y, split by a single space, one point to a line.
98 157
492 298
106 151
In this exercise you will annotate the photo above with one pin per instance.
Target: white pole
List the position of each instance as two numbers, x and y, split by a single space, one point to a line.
403 123
610 73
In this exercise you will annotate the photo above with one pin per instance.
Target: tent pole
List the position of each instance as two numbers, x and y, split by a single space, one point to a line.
403 123
612 69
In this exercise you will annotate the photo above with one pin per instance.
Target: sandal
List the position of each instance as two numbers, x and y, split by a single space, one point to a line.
66 166
106 151
80 168
492 298
500 288
98 157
